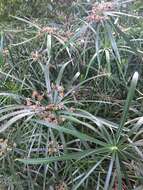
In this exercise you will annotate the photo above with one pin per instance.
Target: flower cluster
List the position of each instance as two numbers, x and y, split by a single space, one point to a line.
38 96
51 117
47 29
5 146
59 89
35 56
54 147
46 112
61 186
65 36
54 107
38 106
98 10
5 52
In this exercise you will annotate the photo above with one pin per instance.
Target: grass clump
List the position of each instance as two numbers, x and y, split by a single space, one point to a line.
71 96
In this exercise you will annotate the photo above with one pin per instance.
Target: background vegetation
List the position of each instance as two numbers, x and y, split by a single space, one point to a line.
71 95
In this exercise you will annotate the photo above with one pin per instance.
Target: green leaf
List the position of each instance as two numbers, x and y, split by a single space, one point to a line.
71 156
89 173
127 104
107 181
75 133
3 127
118 171
59 78
113 42
49 45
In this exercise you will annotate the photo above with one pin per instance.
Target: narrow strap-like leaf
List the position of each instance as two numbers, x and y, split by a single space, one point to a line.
127 104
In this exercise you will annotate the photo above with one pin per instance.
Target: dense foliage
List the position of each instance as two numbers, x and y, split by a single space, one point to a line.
71 95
